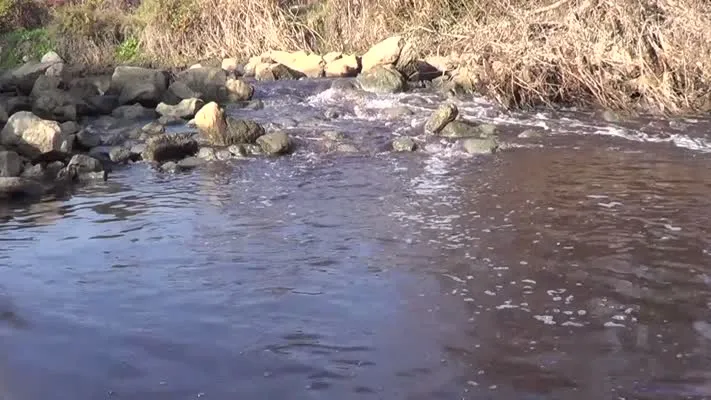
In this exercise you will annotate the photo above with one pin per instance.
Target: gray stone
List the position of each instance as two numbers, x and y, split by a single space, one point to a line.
404 144
465 129
153 128
223 155
138 85
53 168
382 79
169 147
207 153
119 154
274 142
134 112
82 168
137 150
51 57
169 166
68 143
238 90
58 105
480 146
190 162
23 78
397 112
252 149
15 187
253 105
69 128
343 85
347 148
333 135
332 113
32 133
13 104
277 72
241 131
102 105
170 120
34 171
10 164
237 150
85 163
88 139
45 84
146 94
56 70
208 84
531 134
445 114
186 109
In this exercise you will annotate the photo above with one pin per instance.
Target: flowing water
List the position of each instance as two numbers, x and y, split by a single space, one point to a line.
572 266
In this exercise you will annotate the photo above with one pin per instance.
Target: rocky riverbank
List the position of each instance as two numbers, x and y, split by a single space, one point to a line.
60 130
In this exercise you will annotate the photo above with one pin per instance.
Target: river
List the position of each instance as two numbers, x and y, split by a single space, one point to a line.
572 266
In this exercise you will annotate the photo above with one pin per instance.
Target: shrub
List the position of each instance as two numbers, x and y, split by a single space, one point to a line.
22 14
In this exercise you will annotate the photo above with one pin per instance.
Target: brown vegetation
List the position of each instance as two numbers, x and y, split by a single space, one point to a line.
612 53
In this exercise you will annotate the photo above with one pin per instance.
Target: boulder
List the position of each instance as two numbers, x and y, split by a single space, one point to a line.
332 56
407 61
231 65
45 84
532 133
101 105
404 144
13 104
445 114
466 129
210 121
90 86
185 109
133 112
308 64
207 154
206 83
36 171
274 143
51 57
153 128
32 133
241 131
168 120
190 163
119 154
251 67
88 139
238 90
82 168
10 164
23 78
382 79
441 63
276 72
169 147
59 105
138 85
69 128
14 187
56 70
346 66
480 145
385 52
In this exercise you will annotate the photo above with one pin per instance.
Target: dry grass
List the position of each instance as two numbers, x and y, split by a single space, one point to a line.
617 54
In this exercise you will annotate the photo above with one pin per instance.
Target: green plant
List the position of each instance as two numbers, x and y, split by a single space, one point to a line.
32 43
128 50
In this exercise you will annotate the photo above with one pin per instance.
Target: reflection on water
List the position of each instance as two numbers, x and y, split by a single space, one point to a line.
573 269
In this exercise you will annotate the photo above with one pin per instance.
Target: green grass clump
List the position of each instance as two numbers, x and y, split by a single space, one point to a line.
32 43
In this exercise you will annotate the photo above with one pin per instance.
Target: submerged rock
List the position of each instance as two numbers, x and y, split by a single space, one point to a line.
445 114
274 142
465 129
190 163
10 164
82 168
404 144
242 131
32 134
186 109
169 147
480 145
382 79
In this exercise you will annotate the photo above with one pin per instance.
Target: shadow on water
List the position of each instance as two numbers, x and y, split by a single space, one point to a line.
574 265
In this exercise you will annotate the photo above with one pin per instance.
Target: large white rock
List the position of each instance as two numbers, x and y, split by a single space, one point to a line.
26 129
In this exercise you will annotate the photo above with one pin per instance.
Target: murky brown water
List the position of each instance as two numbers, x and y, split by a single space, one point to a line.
577 266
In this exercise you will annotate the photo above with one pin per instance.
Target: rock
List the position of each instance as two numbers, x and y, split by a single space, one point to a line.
85 163
23 78
36 171
185 109
52 169
210 121
190 163
343 67
13 104
230 65
10 164
333 135
347 148
179 91
14 187
119 154
276 72
133 112
102 105
385 52
464 129
238 90
308 64
610 116
138 85
274 142
82 168
59 105
88 139
207 153
253 105
332 56
223 155
252 149
480 146
169 147
34 134
69 128
237 150
86 87
441 63
68 144
241 131
343 85
407 61
382 79
45 84
167 120
51 57
422 71
404 144
445 114
195 66
153 128
170 167
56 70
331 113
206 83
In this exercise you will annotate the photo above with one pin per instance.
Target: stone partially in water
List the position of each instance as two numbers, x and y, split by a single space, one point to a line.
82 168
153 128
210 121
397 112
274 143
88 138
445 114
223 155
190 163
480 146
237 150
207 154
120 154
382 79
238 90
138 85
171 147
186 109
532 133
465 129
14 187
36 171
10 164
404 144
242 131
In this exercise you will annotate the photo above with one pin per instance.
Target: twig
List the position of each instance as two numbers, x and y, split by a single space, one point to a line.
550 7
